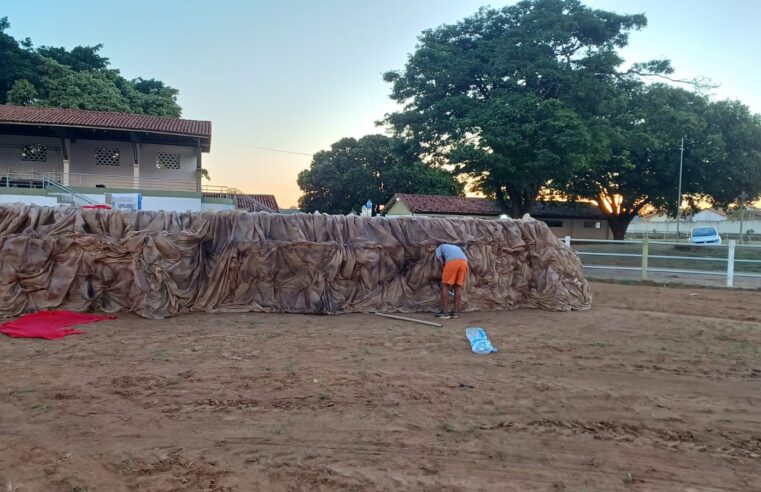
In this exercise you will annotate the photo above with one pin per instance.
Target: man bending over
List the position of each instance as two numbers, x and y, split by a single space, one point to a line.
453 277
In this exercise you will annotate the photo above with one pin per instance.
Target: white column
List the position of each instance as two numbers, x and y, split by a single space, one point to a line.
66 153
136 166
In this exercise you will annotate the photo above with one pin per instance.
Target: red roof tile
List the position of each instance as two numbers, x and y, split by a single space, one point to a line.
268 201
442 204
81 118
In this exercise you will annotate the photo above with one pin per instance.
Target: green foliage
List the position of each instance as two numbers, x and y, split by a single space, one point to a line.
511 96
77 78
22 93
374 167
640 167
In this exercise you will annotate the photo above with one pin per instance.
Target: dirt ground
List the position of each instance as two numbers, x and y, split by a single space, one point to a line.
653 389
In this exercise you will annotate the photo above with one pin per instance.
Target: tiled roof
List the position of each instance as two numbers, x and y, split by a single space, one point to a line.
268 201
81 118
442 204
458 205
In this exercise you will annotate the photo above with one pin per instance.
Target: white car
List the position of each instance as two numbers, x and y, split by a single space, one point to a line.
705 235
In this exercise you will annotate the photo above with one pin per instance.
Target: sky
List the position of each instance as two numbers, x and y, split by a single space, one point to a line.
299 75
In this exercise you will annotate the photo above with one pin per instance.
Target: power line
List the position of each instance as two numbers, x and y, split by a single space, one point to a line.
264 148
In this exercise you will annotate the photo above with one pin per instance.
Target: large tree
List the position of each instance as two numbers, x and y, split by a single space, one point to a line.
342 179
77 78
640 168
511 97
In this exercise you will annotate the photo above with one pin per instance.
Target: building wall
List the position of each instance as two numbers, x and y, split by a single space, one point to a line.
10 155
398 208
149 169
85 172
216 207
724 227
579 228
44 201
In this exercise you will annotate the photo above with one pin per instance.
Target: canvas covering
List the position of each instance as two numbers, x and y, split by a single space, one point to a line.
160 264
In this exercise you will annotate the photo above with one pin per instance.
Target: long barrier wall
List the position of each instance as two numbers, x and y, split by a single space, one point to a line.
160 264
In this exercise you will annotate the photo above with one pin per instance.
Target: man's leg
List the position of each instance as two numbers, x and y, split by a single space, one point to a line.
445 297
457 297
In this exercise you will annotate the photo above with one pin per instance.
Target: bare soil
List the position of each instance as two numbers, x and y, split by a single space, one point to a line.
653 389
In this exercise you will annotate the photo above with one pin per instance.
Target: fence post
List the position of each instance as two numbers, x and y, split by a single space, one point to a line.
645 248
731 264
568 241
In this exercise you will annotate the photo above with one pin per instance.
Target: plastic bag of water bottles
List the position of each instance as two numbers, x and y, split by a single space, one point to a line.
479 342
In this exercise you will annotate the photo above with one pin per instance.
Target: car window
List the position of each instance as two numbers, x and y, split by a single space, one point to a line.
704 231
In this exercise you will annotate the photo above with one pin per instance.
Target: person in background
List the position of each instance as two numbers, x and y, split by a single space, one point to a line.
452 278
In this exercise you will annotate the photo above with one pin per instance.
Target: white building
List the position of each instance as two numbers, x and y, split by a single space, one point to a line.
50 156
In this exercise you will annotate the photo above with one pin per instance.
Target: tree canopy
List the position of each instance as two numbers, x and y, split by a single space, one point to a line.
77 78
639 170
510 96
342 179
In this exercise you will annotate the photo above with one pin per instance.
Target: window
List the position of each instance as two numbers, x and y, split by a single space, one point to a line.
553 223
34 153
107 156
165 160
591 224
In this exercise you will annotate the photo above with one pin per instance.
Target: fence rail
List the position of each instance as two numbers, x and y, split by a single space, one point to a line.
730 261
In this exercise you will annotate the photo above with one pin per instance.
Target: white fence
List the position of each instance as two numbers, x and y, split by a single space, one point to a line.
669 227
729 261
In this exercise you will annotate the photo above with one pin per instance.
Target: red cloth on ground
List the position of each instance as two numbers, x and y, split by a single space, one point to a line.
49 324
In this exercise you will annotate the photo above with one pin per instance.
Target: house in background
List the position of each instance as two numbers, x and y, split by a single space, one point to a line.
50 156
710 215
442 206
579 220
575 219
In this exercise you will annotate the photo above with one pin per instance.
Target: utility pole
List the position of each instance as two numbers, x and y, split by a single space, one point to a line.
743 196
679 198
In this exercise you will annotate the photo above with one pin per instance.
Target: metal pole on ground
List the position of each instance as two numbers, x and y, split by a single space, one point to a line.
679 198
731 264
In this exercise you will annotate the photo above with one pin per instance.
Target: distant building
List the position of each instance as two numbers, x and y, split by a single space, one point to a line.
710 215
52 156
442 206
579 220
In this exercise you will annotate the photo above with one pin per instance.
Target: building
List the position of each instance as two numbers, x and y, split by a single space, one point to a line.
579 220
442 206
575 219
710 215
52 156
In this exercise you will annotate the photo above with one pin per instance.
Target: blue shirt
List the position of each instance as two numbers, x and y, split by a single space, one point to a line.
450 252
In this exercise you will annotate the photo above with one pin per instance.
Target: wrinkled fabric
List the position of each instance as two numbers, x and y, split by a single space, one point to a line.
49 324
160 264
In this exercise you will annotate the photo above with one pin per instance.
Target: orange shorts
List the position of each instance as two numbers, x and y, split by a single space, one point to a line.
455 272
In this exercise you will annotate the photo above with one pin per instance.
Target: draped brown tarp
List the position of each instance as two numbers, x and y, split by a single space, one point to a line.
159 264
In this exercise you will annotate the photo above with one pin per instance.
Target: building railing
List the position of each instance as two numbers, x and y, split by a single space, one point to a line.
83 180
728 260
131 183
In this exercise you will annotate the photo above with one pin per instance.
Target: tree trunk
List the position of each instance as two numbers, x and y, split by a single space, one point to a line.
619 224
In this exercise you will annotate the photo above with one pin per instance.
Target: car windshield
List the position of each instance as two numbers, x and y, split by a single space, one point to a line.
703 231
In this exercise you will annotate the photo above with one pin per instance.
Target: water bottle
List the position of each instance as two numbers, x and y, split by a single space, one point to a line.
369 206
479 342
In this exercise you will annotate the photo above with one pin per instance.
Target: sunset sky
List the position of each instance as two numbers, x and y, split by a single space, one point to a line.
299 75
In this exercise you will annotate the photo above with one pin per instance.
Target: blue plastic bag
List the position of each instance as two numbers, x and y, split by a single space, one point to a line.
479 342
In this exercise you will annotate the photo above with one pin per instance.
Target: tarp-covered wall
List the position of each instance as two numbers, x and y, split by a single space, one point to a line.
159 264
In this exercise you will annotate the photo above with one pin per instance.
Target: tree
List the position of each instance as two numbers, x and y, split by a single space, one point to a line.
640 166
76 78
640 169
22 93
374 167
511 97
